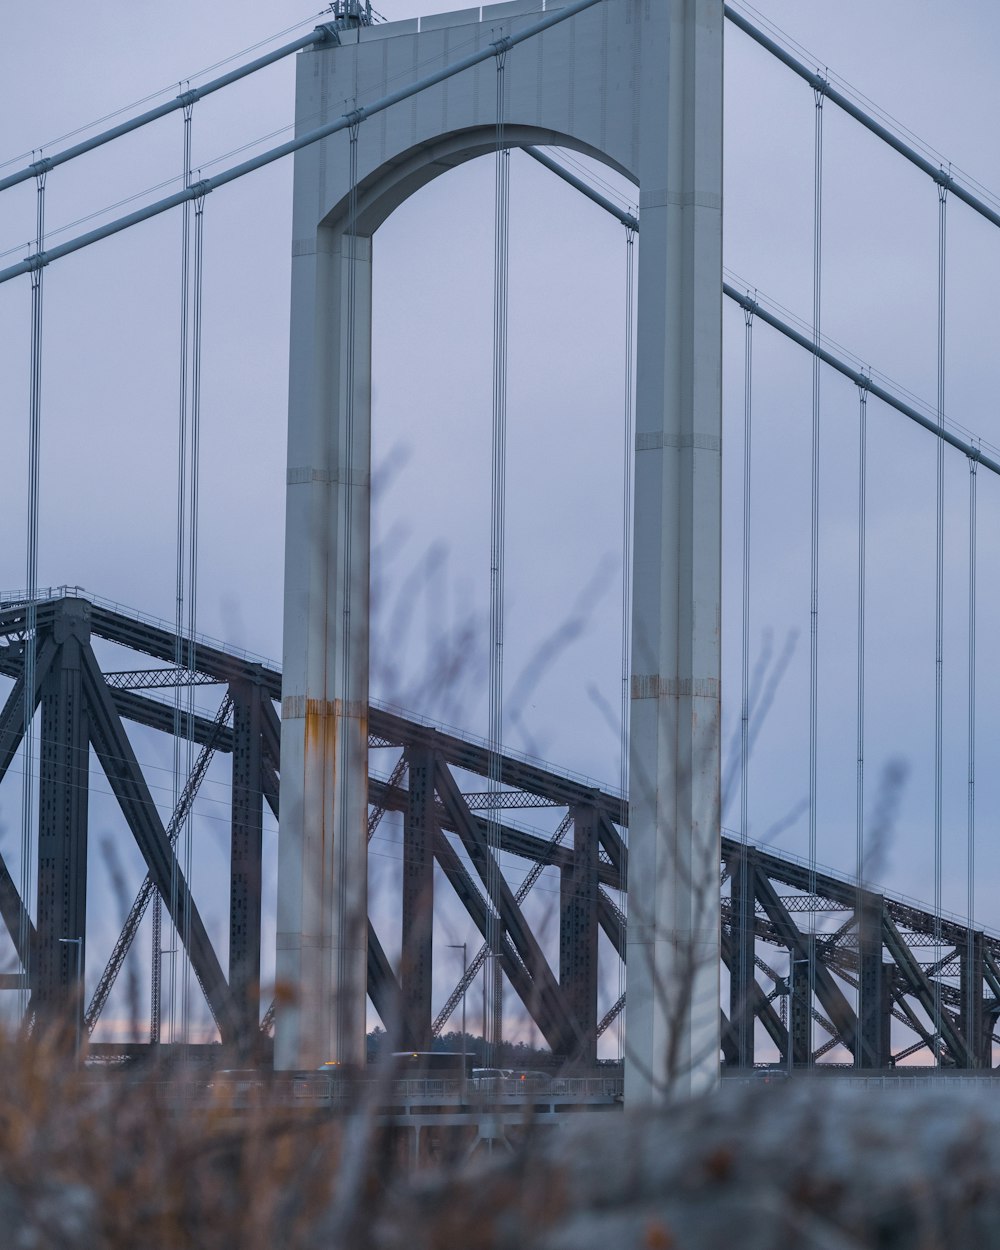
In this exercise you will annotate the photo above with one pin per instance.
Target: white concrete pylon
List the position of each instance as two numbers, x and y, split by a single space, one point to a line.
321 962
672 1004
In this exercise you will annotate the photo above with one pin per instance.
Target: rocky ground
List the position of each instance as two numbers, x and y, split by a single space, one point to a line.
809 1166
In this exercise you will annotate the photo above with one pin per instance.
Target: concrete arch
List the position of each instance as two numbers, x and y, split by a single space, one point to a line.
386 188
638 85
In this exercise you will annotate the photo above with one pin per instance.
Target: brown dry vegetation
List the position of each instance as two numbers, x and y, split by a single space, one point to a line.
114 1159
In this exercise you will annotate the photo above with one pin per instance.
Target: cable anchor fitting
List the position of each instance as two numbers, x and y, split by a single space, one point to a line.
749 303
36 261
327 33
821 87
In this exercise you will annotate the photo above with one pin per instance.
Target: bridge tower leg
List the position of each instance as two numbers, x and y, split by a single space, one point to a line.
64 769
322 925
672 1012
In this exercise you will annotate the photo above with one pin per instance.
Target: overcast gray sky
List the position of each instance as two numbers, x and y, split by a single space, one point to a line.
111 326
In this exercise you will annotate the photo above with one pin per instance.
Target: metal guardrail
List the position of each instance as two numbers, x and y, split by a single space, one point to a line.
320 1090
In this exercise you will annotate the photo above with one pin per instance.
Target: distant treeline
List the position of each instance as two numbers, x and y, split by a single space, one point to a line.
506 1055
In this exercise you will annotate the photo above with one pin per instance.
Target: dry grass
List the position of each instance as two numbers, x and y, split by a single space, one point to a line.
115 1159
99 1160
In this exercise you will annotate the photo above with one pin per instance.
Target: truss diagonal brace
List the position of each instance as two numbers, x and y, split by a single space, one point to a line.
142 899
12 716
470 896
827 991
759 1002
511 917
383 988
922 990
121 767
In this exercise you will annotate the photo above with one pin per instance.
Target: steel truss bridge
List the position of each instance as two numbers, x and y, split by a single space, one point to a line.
886 944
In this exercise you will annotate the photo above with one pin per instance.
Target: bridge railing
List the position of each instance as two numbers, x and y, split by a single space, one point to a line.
325 1090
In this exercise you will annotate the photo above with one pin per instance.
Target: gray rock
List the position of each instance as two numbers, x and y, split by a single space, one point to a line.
809 1165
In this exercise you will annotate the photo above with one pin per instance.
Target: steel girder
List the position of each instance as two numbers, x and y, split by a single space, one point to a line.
578 923
416 957
245 860
63 786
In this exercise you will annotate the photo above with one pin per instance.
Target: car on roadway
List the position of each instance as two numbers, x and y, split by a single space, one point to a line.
489 1080
530 1079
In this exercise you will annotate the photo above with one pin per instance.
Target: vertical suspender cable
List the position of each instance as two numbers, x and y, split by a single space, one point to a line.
814 542
349 254
973 981
628 461
31 582
745 1016
939 611
498 495
859 815
192 603
180 566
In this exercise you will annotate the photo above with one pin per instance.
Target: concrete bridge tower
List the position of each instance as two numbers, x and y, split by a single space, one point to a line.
638 85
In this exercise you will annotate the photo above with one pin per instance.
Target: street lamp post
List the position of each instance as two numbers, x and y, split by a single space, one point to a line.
78 997
464 947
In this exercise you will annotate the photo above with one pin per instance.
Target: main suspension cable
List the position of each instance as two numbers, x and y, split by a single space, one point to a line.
30 633
498 498
939 611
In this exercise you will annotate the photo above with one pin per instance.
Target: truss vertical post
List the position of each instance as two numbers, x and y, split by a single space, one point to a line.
578 927
672 1010
419 835
888 984
800 1013
64 770
872 1051
245 857
971 979
741 972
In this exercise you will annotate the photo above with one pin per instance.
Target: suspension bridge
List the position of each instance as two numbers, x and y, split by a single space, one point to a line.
787 959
